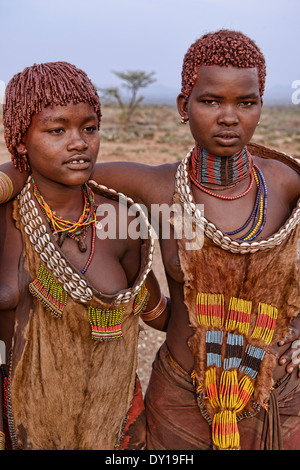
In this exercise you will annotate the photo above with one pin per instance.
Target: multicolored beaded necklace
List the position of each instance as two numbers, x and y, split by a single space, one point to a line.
206 168
75 230
259 212
228 171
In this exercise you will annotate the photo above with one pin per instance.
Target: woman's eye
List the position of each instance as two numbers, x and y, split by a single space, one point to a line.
57 131
90 129
210 102
247 104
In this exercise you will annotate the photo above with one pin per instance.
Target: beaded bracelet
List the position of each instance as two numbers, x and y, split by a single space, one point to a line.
6 188
156 311
2 440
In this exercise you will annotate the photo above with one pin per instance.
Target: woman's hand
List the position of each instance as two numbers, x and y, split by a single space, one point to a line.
291 357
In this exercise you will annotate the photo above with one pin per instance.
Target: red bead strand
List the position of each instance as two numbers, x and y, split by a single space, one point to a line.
92 250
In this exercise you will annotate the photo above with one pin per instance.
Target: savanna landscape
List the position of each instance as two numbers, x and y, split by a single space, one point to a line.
156 136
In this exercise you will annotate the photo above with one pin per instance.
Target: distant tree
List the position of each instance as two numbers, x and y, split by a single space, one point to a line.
133 81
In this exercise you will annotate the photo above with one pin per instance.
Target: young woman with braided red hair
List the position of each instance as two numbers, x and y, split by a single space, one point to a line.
70 300
226 378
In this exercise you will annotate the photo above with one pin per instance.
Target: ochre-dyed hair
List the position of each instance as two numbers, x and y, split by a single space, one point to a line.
222 48
38 86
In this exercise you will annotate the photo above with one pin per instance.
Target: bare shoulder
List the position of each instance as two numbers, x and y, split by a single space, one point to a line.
285 178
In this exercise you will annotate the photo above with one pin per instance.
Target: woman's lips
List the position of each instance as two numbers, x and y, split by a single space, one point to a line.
226 138
77 163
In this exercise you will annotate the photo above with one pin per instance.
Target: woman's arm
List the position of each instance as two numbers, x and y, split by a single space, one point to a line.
158 309
11 182
125 177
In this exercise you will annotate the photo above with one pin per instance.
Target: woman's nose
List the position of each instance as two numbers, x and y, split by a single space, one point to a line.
228 116
77 141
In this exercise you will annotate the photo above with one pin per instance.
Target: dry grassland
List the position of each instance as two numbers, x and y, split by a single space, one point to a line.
156 137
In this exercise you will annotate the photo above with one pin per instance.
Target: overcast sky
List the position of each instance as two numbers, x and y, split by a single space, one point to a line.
100 36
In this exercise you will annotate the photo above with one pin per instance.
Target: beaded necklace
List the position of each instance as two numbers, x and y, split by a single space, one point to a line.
222 171
75 230
211 171
259 211
220 196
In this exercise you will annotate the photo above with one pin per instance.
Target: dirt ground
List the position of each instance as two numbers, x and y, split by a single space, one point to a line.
156 137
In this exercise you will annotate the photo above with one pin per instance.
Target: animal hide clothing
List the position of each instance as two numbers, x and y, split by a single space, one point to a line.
72 382
241 298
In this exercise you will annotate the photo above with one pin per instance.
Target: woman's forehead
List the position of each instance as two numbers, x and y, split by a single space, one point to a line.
70 111
214 77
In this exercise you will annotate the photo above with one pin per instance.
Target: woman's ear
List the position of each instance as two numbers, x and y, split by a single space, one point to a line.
21 148
182 106
23 163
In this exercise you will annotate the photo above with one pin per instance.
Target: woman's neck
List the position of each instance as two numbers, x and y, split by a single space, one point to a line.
65 201
211 169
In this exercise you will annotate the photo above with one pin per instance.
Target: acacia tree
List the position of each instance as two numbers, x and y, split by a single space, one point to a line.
133 81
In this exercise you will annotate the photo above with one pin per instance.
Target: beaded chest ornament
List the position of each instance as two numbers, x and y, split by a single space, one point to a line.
234 353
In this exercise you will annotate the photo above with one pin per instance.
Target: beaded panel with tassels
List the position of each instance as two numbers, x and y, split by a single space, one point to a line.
49 292
106 323
140 300
234 353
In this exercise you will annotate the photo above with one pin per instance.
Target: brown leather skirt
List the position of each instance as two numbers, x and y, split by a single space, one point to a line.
175 422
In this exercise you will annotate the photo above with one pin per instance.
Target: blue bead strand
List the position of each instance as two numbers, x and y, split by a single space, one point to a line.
261 190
